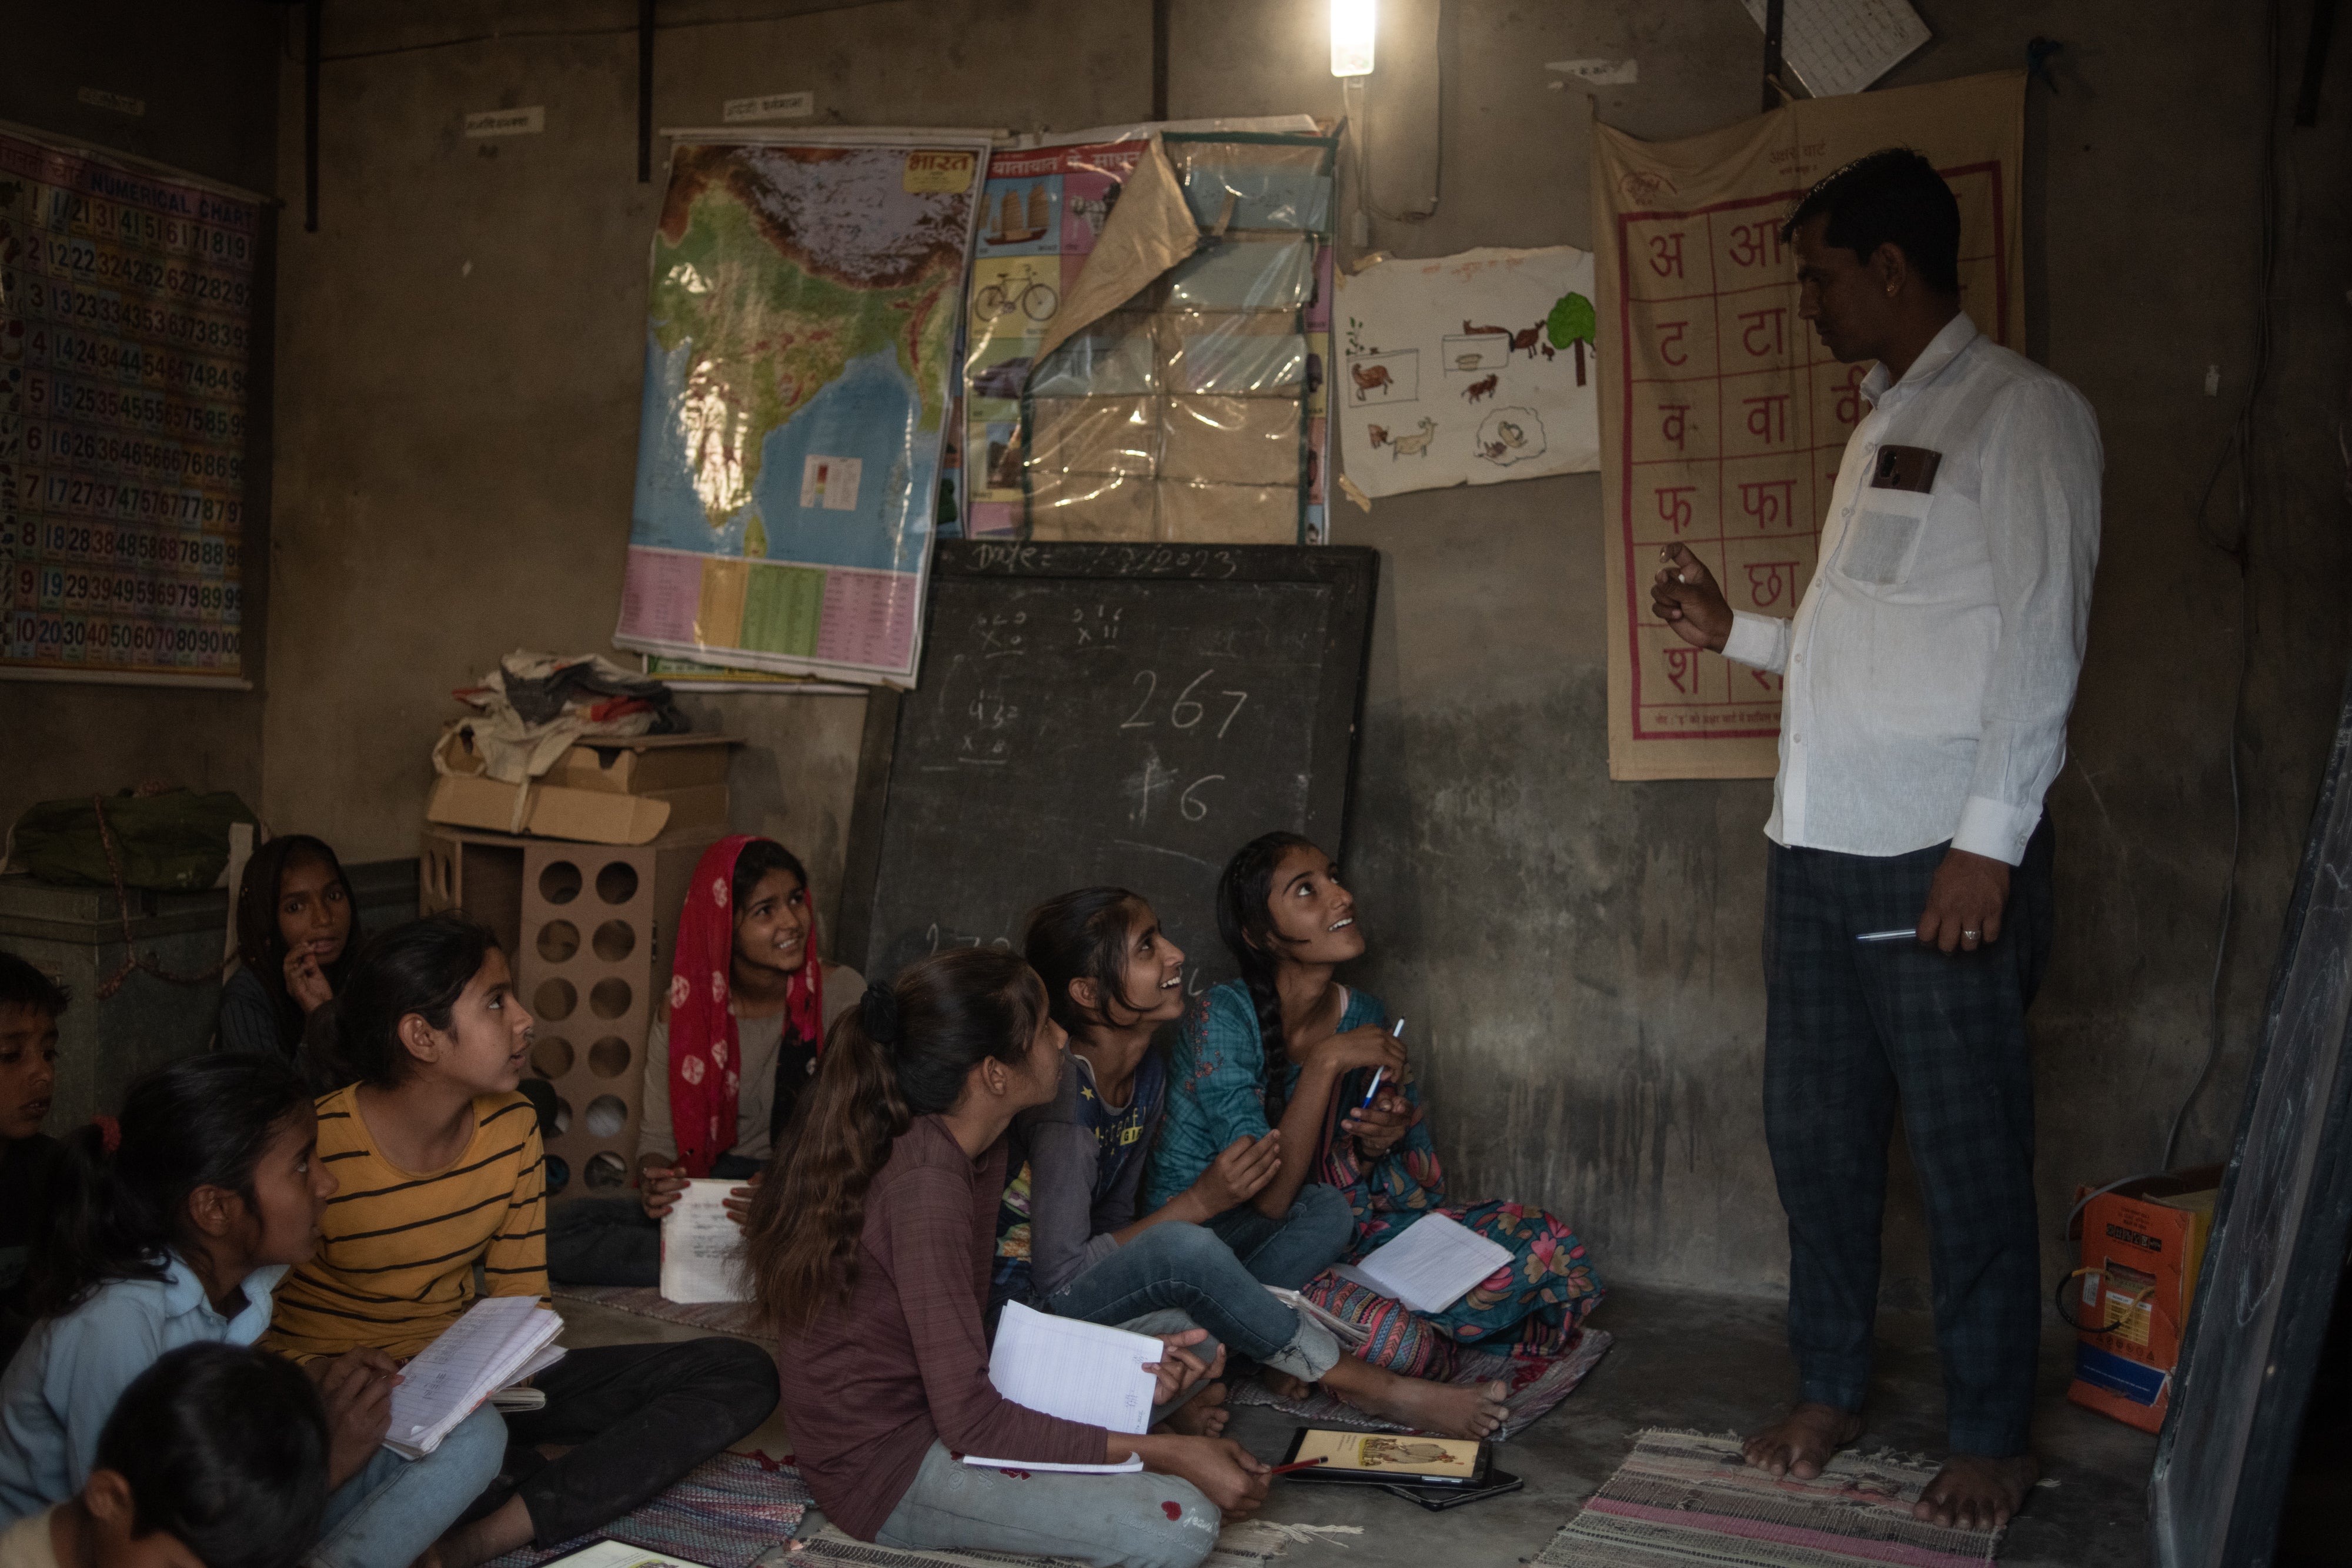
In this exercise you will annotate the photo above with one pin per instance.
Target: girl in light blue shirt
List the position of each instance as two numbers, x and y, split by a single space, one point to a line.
176 1230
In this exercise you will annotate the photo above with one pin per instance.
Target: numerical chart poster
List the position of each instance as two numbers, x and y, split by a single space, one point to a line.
1722 416
126 301
800 361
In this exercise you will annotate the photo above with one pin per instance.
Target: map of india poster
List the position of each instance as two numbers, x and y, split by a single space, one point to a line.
1722 418
800 361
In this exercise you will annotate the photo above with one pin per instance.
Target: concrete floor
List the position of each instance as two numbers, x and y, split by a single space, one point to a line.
1681 1359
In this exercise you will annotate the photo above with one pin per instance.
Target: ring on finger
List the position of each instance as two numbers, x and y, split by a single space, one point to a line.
1971 935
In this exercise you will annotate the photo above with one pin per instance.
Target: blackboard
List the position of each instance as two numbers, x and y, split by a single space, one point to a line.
2280 1223
1091 713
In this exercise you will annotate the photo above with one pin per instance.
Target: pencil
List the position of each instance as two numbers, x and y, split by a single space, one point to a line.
1299 1465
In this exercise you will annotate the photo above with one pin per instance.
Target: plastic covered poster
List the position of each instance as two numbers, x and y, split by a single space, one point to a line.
1194 410
800 364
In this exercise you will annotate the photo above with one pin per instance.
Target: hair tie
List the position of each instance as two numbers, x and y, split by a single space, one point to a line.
877 1011
110 1132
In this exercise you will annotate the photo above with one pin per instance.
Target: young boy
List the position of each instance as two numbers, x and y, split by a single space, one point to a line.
214 1457
29 1004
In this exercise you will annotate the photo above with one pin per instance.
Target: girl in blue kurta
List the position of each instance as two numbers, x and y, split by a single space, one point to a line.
1288 1045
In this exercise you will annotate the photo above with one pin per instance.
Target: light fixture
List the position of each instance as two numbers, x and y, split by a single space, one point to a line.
1352 26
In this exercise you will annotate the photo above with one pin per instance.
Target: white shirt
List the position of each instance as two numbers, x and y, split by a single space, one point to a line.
1934 656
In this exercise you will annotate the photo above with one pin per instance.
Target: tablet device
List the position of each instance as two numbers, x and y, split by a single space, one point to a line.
1437 1498
1382 1459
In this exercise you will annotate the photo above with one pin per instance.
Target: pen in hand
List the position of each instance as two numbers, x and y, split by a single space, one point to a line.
1396 1033
1297 1465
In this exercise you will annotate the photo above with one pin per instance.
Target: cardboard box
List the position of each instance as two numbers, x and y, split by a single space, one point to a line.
2143 1245
605 792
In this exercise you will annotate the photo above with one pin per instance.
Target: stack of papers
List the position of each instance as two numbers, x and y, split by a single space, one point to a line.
1077 1369
501 1340
1431 1266
702 1247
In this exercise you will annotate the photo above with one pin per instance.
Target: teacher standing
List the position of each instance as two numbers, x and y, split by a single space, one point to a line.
1928 677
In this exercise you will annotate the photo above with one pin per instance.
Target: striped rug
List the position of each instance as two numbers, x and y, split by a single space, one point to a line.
1250 1544
1686 1498
729 1512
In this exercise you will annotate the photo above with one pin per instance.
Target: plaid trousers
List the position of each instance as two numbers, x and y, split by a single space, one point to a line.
1851 1027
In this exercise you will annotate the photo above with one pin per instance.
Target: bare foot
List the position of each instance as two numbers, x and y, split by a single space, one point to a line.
1202 1415
1802 1442
1975 1493
1284 1386
493 1535
1451 1410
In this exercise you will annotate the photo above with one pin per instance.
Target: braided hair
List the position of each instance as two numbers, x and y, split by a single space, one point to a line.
1246 922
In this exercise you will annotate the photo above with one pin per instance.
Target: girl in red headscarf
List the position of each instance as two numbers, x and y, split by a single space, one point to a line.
749 1004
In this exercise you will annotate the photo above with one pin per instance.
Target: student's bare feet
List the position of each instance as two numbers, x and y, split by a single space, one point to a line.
1802 1442
1451 1410
1282 1385
1974 1492
1202 1415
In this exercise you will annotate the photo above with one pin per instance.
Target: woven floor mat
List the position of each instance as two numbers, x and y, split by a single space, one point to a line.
729 1511
1687 1498
1244 1545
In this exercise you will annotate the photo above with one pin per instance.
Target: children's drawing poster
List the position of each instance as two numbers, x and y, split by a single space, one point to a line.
1724 416
1467 370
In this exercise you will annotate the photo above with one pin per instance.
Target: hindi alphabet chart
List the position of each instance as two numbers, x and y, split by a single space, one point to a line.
1725 417
126 329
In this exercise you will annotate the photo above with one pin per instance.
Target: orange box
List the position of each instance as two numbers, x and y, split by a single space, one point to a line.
2143 1245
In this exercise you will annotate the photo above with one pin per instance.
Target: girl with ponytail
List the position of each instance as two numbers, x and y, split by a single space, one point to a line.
442 1170
1288 1043
171 1226
869 1252
1075 1245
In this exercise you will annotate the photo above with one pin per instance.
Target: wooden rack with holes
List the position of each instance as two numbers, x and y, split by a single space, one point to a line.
588 929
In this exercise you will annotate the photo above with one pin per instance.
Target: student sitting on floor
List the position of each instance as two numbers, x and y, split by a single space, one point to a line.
870 1254
441 1168
297 933
749 1003
173 1231
214 1457
1071 1241
30 1003
1288 1043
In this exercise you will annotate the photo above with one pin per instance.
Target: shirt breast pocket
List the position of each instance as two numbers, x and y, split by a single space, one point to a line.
1882 544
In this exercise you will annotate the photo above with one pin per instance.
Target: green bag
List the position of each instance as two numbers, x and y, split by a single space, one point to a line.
176 842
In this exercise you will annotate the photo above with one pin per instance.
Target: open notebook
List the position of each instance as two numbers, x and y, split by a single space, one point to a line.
501 1340
1077 1369
1431 1266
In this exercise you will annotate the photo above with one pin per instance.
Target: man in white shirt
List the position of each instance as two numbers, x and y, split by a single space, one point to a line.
1929 673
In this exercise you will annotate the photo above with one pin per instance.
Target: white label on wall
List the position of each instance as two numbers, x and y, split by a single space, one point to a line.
121 102
1598 73
831 482
507 121
770 106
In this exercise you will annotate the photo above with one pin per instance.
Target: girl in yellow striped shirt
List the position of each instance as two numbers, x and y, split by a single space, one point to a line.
440 1167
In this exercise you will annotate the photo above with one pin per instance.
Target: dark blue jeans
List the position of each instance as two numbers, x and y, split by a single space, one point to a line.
1853 1027
1216 1275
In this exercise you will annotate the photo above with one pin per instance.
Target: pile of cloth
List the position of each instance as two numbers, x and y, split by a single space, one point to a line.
535 707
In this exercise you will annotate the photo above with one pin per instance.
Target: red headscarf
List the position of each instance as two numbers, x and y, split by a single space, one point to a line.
705 1053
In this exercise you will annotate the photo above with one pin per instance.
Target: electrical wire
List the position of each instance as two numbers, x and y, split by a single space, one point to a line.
2239 450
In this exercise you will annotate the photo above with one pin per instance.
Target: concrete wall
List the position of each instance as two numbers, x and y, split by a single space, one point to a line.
458 426
208 73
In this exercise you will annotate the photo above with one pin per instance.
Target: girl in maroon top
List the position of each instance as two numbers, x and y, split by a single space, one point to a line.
871 1251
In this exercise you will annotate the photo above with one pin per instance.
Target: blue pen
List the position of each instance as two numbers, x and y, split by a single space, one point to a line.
1396 1033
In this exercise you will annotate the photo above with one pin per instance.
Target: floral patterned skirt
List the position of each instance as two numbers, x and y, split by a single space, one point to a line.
1531 1307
